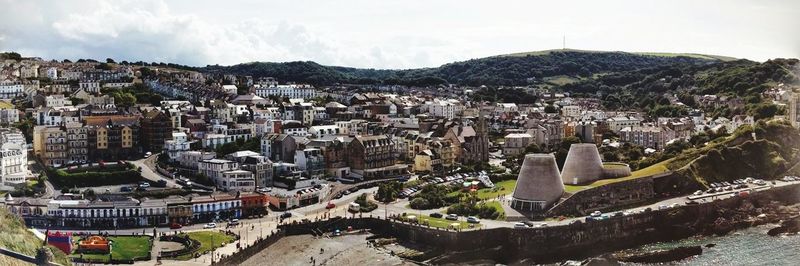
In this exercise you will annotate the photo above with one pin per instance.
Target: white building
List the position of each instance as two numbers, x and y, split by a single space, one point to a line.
229 89
13 160
89 86
571 111
439 108
289 91
214 168
52 73
324 131
57 100
177 145
8 115
9 90
215 140
617 123
237 180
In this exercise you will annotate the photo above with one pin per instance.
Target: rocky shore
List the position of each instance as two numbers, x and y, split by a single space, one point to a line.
721 221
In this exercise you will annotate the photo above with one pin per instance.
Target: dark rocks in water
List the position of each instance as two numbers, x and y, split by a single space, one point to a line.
660 256
604 260
711 245
787 227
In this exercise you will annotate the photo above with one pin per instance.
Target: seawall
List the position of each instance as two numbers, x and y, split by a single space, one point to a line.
557 243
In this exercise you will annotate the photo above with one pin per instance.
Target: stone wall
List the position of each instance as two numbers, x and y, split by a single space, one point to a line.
245 253
577 240
605 197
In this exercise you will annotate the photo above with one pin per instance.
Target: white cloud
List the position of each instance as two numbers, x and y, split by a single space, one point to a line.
387 34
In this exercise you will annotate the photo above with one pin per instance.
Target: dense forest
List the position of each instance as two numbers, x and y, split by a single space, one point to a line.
497 70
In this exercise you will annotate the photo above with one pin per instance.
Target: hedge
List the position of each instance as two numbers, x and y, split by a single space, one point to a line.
62 178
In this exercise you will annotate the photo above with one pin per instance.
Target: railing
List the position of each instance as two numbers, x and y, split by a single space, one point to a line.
25 258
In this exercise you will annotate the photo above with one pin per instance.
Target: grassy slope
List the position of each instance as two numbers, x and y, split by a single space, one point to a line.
206 244
15 236
440 222
647 171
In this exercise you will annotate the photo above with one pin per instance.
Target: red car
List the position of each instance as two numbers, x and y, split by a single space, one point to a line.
330 205
175 226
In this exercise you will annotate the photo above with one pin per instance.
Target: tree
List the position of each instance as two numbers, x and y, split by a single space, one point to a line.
763 111
387 192
11 55
124 99
103 66
550 109
76 101
110 61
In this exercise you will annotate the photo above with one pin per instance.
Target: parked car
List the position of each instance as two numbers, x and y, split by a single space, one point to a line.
126 189
175 226
436 215
473 220
520 225
233 222
452 217
210 225
148 154
330 205
144 184
286 215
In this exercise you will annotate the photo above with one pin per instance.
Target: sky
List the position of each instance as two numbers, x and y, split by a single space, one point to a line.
390 33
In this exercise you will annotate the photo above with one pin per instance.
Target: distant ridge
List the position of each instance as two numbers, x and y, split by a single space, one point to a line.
692 55
512 69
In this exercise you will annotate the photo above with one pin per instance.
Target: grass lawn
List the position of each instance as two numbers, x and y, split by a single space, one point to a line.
439 222
505 187
658 168
124 248
32 183
205 238
561 80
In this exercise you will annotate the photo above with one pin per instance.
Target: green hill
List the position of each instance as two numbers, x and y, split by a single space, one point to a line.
515 69
690 55
16 237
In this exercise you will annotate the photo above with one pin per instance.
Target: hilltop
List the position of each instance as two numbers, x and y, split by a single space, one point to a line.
690 55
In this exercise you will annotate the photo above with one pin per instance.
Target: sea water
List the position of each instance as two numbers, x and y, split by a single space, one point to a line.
750 246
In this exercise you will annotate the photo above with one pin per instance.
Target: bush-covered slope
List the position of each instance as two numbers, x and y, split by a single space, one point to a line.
770 155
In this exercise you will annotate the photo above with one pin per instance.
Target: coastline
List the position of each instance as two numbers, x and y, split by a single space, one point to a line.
586 239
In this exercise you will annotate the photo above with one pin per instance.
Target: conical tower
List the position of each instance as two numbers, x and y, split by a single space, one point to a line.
538 185
583 164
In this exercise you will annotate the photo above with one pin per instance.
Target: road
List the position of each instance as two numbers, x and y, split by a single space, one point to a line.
149 172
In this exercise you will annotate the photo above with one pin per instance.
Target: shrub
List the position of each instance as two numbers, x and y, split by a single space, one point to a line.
110 176
420 203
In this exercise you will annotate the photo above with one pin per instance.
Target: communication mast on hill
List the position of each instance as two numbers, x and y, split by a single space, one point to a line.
564 43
